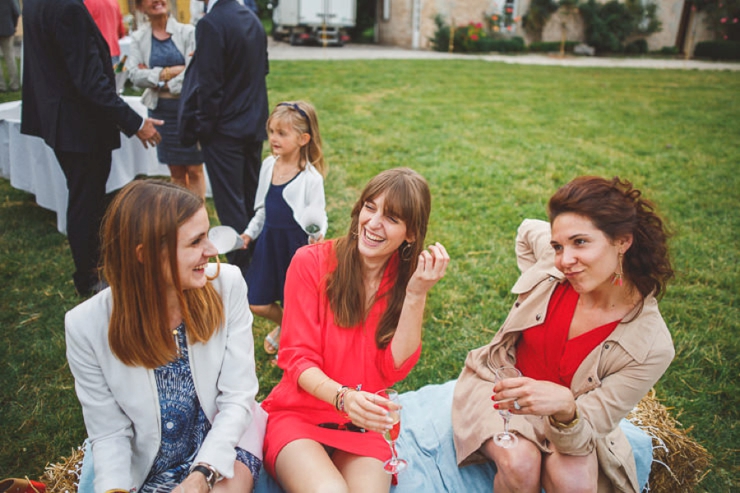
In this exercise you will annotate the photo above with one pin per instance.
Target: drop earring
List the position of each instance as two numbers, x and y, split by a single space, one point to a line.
618 279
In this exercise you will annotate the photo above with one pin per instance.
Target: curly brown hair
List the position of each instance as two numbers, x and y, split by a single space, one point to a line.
617 208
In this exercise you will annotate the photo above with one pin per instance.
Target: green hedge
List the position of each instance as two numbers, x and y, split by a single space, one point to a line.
718 50
549 46
510 45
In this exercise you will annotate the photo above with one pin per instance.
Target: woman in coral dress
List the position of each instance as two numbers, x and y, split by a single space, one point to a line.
352 326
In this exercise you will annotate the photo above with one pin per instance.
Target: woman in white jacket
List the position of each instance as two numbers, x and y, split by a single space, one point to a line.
160 52
163 360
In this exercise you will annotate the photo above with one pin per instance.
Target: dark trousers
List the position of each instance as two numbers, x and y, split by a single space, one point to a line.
86 174
233 169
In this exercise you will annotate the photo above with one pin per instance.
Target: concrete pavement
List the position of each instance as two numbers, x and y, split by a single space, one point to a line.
284 51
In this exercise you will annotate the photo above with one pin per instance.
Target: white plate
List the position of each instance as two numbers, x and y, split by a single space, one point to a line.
225 238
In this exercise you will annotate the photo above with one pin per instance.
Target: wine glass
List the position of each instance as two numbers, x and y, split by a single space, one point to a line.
505 439
393 465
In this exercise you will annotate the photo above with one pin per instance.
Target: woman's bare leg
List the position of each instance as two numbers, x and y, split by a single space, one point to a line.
518 468
303 466
242 482
570 473
362 474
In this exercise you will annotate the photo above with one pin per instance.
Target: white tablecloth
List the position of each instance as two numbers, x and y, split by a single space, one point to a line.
30 164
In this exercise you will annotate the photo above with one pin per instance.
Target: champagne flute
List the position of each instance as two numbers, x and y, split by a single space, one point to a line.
505 439
393 465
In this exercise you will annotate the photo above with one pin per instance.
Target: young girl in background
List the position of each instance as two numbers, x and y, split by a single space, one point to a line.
289 208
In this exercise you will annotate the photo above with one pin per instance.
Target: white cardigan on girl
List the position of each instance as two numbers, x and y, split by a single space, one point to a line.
304 195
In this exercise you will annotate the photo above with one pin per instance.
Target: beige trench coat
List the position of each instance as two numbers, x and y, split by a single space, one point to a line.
607 385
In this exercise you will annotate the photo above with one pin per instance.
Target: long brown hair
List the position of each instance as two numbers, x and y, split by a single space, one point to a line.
301 117
616 208
407 197
147 214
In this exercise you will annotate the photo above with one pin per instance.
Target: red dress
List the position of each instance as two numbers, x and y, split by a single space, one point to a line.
544 351
310 339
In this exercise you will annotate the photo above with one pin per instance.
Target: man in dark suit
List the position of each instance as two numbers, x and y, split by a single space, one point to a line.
230 65
70 100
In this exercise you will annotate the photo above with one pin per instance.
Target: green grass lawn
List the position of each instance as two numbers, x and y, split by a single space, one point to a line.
494 141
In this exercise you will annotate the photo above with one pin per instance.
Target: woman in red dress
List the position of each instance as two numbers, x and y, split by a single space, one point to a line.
588 337
352 326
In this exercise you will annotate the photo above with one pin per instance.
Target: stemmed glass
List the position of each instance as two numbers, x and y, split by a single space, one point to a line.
393 465
505 439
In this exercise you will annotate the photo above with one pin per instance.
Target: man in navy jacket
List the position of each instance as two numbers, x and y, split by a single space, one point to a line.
230 65
70 101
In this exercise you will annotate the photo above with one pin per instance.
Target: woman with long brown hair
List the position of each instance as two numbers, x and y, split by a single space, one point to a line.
163 360
588 338
352 326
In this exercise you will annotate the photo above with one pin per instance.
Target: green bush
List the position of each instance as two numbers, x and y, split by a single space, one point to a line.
551 46
441 39
537 16
637 47
473 38
669 50
503 45
610 23
718 50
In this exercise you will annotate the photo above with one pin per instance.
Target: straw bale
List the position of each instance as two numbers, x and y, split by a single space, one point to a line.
64 476
679 462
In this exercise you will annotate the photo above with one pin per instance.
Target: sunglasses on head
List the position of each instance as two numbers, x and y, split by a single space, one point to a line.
348 426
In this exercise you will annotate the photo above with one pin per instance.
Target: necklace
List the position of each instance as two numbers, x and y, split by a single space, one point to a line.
290 172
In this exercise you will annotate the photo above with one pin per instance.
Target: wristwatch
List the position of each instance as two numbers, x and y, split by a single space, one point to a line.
161 84
209 472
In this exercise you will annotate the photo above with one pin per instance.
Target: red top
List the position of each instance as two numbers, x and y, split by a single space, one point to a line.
310 338
107 15
544 351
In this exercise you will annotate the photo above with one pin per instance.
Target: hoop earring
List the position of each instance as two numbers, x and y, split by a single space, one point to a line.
218 269
406 252
618 278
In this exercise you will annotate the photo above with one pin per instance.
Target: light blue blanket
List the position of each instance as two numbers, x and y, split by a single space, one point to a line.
426 443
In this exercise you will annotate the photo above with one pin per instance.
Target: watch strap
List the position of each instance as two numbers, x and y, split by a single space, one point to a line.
209 473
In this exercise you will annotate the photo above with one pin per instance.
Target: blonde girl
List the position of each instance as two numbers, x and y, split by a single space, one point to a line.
289 208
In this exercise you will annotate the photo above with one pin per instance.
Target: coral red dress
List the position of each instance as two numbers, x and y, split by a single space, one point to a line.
545 353
310 338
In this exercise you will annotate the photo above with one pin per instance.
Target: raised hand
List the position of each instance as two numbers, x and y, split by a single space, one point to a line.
430 269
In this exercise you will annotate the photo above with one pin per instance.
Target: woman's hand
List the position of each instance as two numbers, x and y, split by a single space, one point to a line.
247 240
312 240
364 412
430 269
195 482
535 397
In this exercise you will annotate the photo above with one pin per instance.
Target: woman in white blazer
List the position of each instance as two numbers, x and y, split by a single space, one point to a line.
163 360
161 50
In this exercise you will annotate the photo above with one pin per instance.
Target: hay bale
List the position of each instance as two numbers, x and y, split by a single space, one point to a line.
64 476
679 462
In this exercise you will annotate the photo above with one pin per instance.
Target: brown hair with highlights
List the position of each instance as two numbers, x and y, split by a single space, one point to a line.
407 197
147 214
617 208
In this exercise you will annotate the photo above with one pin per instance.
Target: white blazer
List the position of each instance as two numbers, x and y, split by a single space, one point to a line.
304 195
120 403
182 35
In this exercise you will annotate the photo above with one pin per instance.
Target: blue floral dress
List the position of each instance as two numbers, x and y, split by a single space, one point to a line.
184 425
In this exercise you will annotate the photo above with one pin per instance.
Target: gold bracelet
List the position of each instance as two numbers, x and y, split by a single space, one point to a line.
166 74
563 426
319 385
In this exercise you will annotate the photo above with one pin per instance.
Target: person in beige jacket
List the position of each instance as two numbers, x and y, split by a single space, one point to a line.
586 364
161 51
